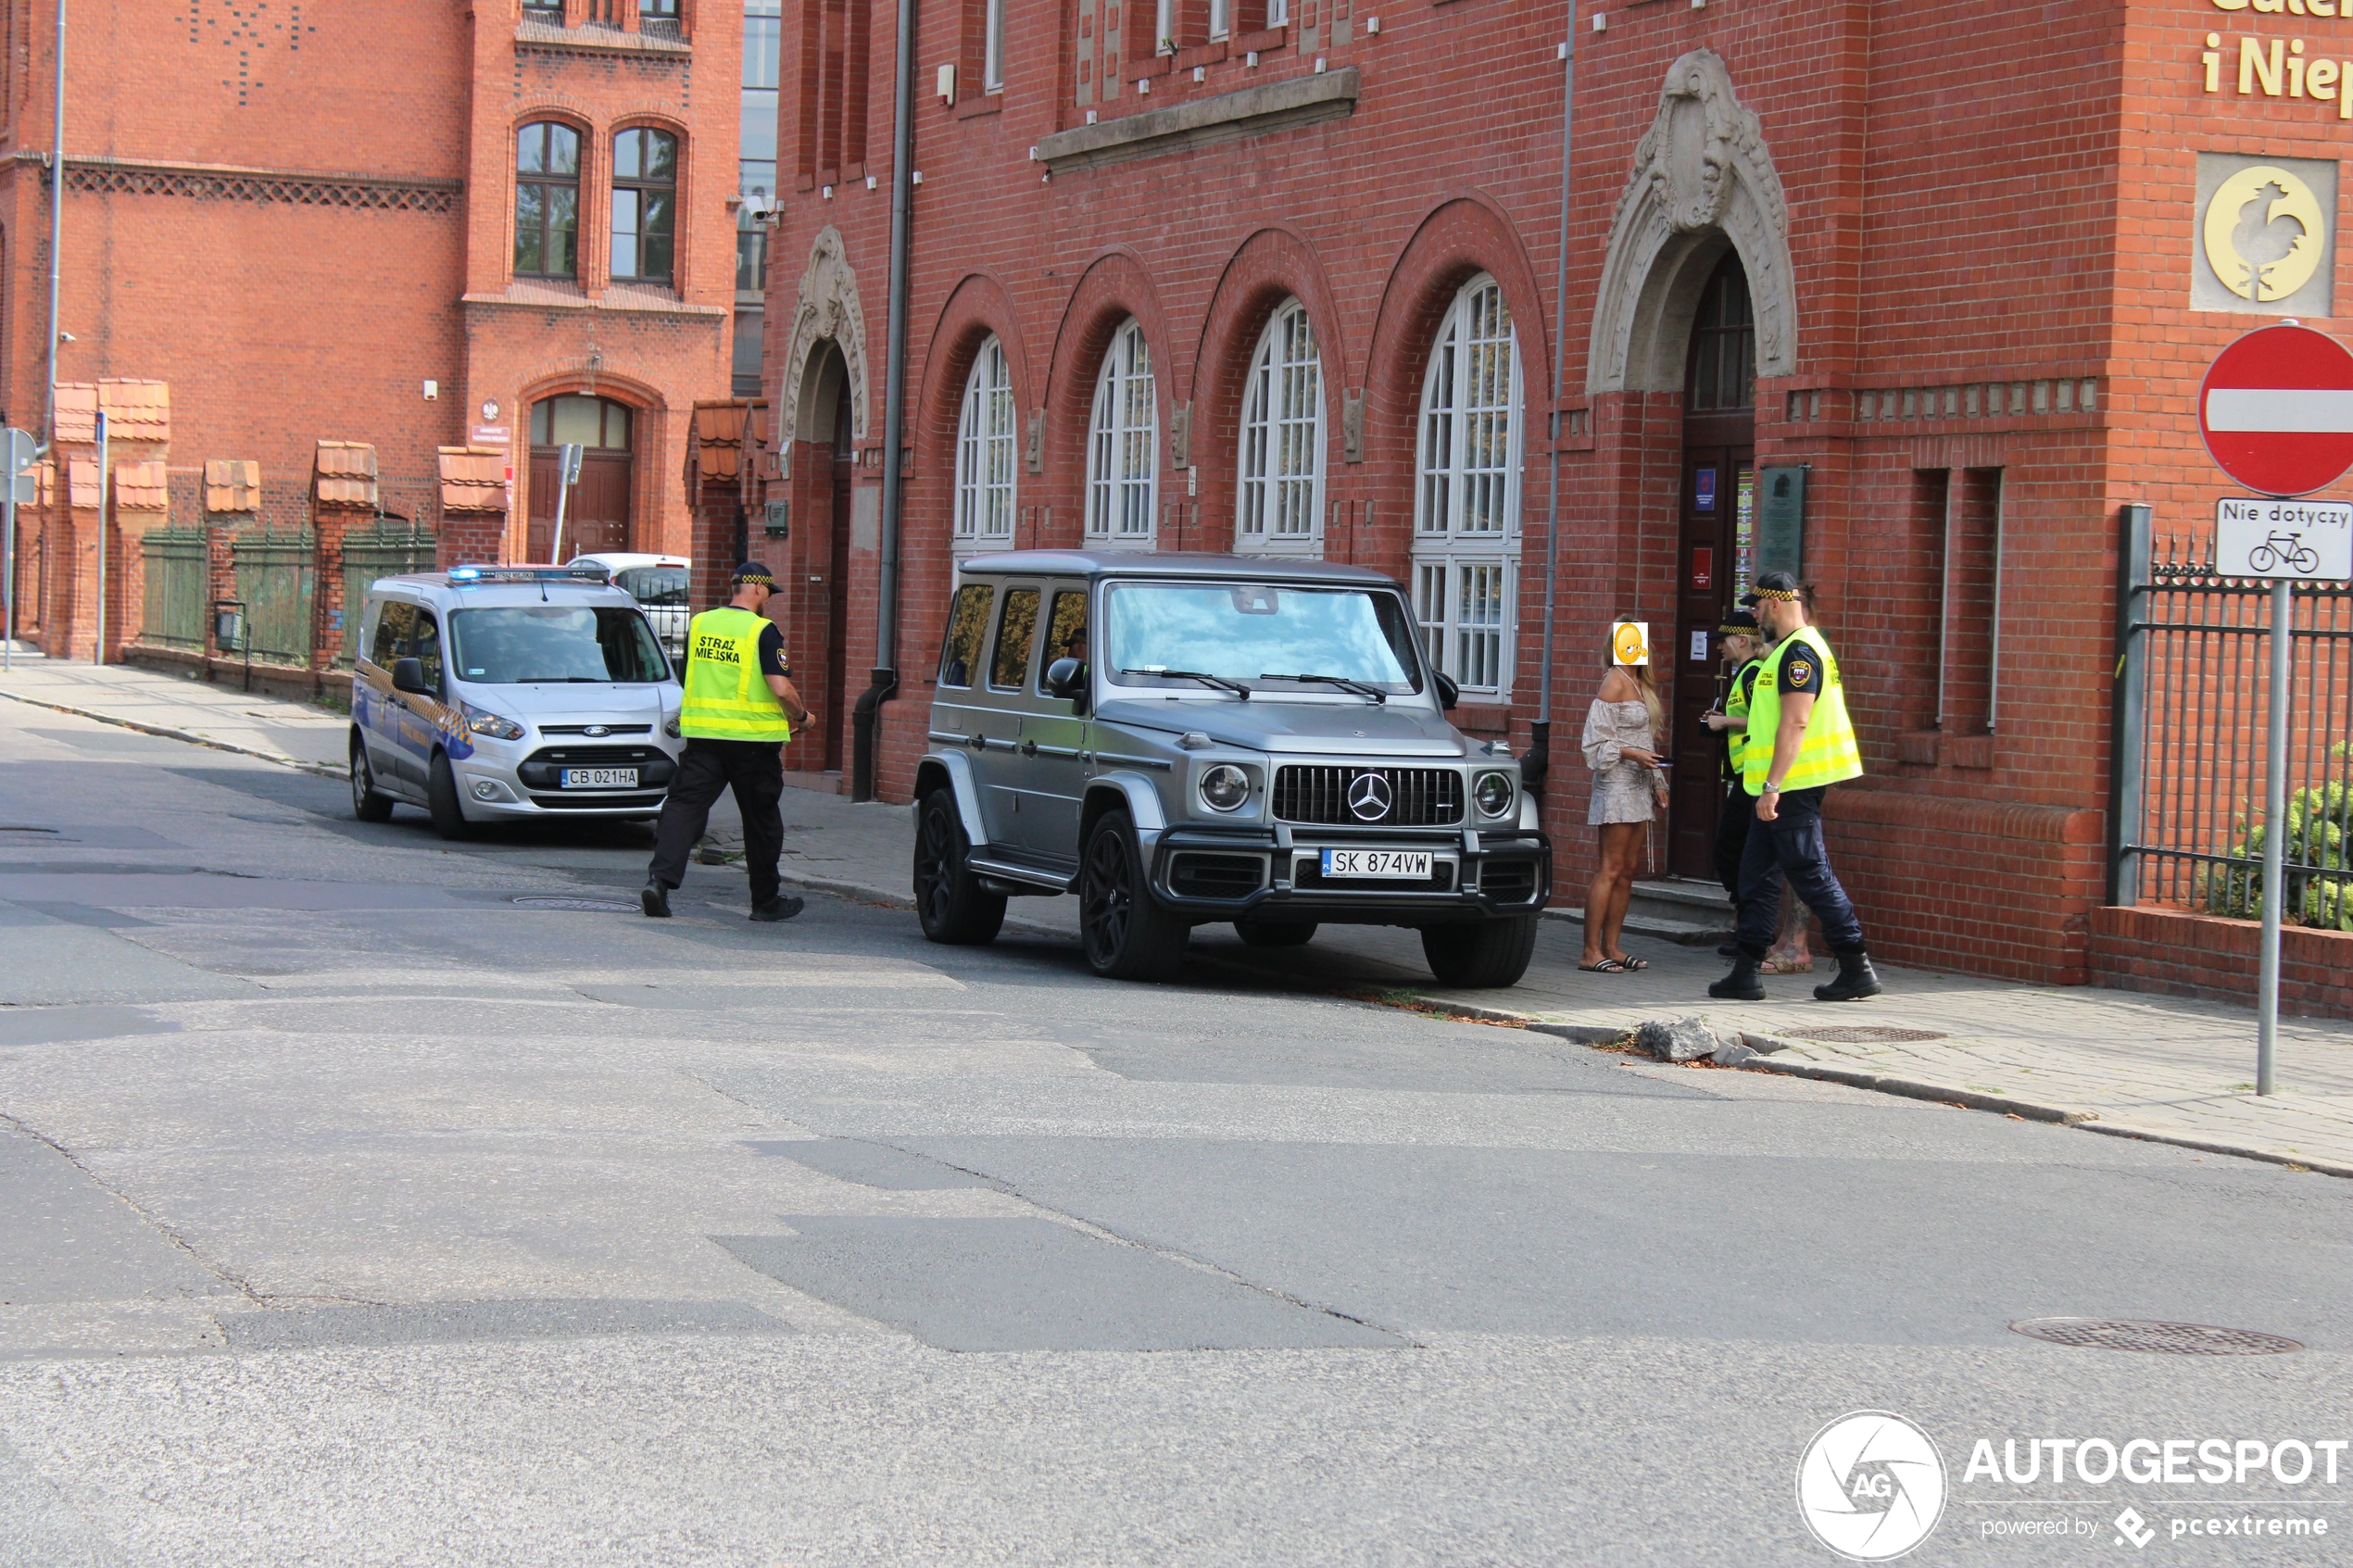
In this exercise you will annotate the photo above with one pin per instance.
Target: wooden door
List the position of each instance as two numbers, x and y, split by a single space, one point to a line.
600 513
540 535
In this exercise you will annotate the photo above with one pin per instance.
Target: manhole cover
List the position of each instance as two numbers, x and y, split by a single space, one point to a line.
586 906
2171 1338
1864 1035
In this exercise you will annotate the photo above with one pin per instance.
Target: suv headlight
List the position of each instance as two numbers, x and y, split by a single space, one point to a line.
482 722
1224 787
1493 793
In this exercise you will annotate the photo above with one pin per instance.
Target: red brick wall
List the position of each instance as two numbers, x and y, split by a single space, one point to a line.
2186 955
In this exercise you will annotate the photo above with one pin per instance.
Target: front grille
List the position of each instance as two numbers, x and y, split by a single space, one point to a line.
1195 874
1509 882
599 800
1310 877
583 729
1418 798
539 770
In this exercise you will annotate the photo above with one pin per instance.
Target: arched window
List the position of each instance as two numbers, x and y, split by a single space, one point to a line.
1466 507
985 453
547 200
1722 373
1281 500
645 205
1122 447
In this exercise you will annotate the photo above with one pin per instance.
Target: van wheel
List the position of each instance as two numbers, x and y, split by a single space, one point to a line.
950 901
1127 936
1481 957
368 803
1275 933
441 800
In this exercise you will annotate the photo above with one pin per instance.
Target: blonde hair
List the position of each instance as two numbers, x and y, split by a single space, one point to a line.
1643 683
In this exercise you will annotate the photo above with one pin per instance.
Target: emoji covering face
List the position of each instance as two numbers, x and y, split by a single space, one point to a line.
1630 642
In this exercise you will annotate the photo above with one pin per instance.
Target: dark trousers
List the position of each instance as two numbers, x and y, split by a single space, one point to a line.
1791 845
756 770
1731 836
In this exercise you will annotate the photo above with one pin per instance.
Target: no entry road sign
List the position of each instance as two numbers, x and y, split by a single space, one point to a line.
2277 410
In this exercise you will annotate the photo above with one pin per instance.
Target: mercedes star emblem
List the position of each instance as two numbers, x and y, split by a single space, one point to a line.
1369 797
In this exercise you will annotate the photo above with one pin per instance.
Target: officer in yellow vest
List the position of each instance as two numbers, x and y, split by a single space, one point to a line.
1799 743
739 712
1743 648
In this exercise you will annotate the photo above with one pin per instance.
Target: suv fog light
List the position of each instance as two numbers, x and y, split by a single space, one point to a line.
1224 787
1493 793
485 790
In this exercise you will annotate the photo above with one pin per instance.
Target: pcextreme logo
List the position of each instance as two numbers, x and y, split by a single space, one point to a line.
1871 1485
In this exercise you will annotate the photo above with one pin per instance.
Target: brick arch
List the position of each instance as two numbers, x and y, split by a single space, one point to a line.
979 308
1272 266
1114 286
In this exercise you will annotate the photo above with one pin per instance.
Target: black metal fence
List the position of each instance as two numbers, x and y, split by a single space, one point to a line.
2187 826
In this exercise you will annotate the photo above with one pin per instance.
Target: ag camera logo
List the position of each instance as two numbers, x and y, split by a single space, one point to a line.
1871 1485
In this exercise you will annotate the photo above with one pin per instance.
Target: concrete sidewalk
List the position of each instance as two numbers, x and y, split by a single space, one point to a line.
2109 1061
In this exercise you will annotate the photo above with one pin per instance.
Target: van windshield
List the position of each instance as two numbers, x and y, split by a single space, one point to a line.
519 644
1258 633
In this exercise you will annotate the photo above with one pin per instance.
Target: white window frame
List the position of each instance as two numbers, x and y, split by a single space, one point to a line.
1277 12
1123 446
992 47
1278 503
985 460
1466 500
1221 13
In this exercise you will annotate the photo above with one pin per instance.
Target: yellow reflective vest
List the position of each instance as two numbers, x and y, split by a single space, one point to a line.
1829 754
1736 701
727 698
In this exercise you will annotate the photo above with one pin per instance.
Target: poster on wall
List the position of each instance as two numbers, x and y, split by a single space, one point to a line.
1780 520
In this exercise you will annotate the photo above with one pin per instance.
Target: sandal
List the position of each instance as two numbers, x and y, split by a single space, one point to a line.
1633 966
1607 966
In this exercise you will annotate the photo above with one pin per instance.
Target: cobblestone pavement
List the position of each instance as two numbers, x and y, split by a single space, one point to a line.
2111 1062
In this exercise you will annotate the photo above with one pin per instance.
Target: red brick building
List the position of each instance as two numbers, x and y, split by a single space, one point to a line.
422 226
1911 297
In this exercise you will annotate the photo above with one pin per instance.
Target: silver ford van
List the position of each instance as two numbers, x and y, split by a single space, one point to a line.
489 692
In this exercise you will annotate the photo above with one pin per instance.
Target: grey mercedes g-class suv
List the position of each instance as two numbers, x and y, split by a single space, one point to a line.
1182 739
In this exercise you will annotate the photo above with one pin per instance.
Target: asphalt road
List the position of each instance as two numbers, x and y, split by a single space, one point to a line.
354 1211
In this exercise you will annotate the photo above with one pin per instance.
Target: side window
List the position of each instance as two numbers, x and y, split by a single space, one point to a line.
396 623
968 623
427 647
1066 631
1016 631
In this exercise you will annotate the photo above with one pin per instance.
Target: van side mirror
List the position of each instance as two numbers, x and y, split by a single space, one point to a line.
1449 694
409 675
1066 678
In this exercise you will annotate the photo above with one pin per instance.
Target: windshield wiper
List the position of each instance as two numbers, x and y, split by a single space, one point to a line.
1235 686
1362 688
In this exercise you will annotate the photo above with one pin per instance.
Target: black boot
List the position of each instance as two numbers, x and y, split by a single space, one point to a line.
1741 985
1856 979
780 908
655 899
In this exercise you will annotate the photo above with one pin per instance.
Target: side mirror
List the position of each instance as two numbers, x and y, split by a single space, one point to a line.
409 675
1066 678
1449 694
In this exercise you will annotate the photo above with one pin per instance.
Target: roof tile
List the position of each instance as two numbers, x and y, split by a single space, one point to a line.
474 479
83 473
142 487
345 471
231 484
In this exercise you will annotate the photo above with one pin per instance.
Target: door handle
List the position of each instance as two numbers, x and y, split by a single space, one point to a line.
1029 748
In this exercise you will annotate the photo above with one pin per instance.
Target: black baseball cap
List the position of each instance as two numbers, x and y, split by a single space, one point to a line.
1776 586
753 571
1738 623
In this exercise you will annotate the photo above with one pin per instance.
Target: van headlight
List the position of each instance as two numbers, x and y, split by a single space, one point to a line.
1224 787
669 726
482 722
1493 793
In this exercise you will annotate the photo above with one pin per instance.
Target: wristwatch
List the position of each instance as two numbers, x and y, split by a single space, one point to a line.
1768 787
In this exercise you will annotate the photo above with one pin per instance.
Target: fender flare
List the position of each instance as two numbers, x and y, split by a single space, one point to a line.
954 771
1131 791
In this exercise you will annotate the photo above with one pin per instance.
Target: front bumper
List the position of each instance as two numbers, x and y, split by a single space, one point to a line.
530 786
1221 874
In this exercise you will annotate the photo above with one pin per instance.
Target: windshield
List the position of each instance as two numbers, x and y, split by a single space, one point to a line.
508 647
1256 632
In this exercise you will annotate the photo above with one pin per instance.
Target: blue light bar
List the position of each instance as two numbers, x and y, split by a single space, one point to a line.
469 576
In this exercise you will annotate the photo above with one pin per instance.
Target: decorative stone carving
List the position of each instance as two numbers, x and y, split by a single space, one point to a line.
1702 176
1352 427
1034 447
829 307
1181 437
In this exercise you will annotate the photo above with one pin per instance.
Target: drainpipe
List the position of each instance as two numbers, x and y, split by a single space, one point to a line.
56 232
1538 761
883 680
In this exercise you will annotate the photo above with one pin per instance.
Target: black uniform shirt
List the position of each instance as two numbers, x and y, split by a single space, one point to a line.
1802 671
771 651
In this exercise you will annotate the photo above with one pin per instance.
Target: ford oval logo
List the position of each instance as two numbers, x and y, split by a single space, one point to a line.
1369 797
596 730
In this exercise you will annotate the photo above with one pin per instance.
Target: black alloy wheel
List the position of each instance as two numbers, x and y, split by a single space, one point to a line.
1275 933
1127 937
368 803
950 901
1481 957
441 800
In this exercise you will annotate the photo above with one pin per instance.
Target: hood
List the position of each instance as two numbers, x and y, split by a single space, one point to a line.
568 704
1350 727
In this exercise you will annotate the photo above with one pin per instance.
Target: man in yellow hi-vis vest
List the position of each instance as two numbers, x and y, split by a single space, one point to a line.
739 713
1799 743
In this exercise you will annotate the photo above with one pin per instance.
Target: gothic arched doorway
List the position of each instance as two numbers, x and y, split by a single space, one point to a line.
596 515
1718 555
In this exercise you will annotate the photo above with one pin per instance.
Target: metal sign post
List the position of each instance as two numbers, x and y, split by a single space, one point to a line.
98 653
567 475
20 448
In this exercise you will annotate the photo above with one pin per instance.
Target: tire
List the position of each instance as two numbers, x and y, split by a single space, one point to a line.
1127 935
950 901
368 803
1275 933
441 797
1481 957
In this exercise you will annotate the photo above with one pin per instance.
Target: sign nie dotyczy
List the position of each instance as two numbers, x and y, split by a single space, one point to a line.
2302 540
